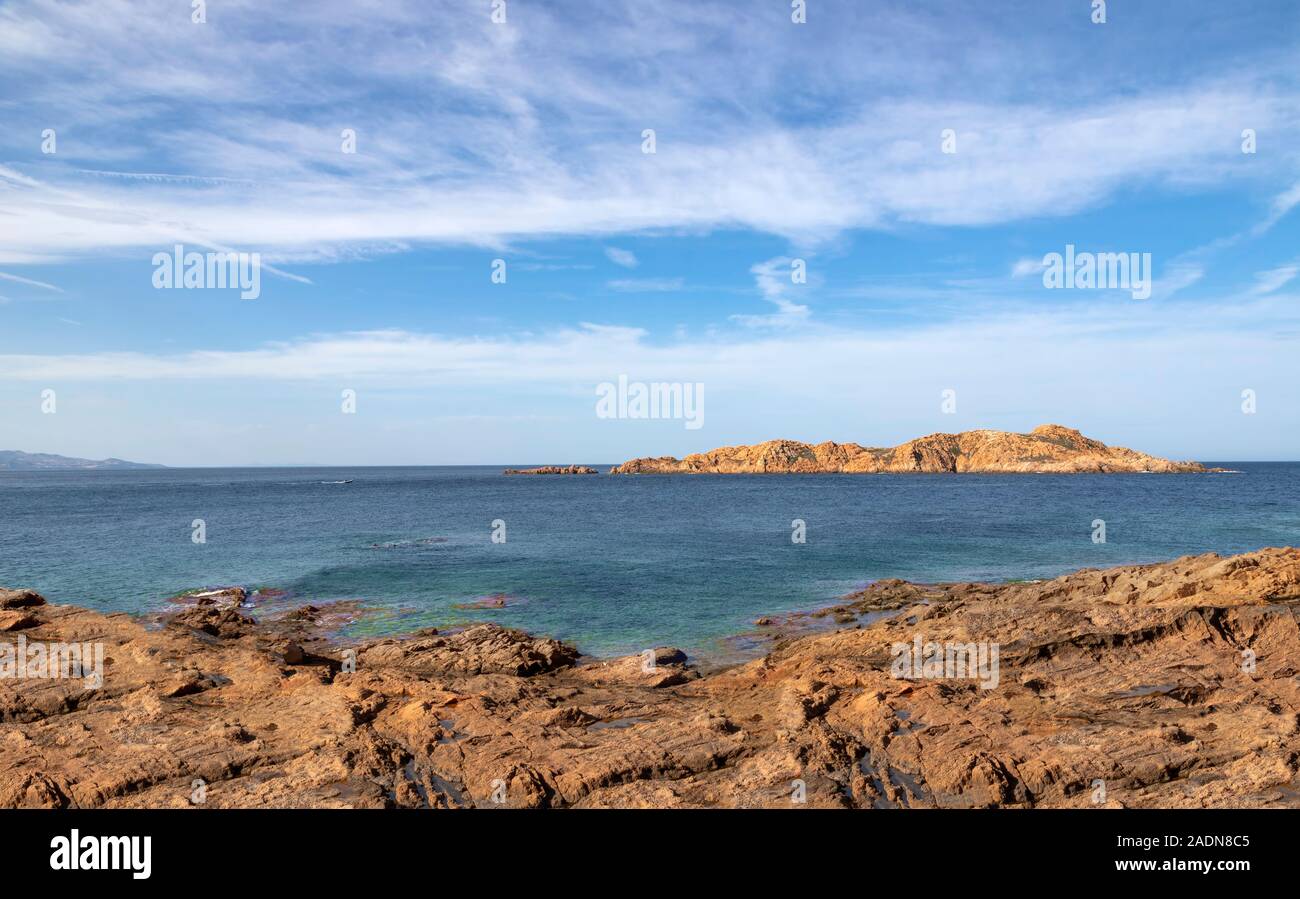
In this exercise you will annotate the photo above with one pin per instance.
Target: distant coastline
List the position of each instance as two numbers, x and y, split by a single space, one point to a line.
15 460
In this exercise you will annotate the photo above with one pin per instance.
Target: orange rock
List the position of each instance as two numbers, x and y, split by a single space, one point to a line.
1048 448
1154 685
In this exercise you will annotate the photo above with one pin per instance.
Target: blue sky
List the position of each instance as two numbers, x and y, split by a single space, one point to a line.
522 141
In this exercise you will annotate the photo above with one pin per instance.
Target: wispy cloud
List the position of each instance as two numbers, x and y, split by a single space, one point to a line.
625 258
1282 205
30 282
775 281
528 136
1177 276
646 285
576 355
1274 279
1023 268
760 382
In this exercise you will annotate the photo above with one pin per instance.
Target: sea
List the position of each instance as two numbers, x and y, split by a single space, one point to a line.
614 564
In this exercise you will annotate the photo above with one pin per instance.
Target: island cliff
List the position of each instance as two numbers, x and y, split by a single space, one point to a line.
1045 449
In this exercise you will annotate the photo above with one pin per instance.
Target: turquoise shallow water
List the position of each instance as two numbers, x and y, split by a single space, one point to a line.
613 564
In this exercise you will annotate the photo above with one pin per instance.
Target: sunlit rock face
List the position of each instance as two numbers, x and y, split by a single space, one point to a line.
1047 448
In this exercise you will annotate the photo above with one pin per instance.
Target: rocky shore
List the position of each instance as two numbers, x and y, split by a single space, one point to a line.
1175 684
1046 449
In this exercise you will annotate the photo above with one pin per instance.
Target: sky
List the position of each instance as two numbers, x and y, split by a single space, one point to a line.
917 159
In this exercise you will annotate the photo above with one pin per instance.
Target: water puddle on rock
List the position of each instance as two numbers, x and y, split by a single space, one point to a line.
616 724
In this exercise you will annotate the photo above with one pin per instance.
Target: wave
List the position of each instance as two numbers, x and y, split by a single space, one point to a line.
399 544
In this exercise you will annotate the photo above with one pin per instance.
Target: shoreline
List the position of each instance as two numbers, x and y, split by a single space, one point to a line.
799 621
335 617
331 629
1132 677
275 604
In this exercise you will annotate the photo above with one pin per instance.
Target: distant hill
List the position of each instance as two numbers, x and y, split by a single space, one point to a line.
13 460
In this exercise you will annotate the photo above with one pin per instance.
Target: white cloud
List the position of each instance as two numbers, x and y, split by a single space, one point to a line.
625 258
1274 279
645 285
1023 268
1282 205
29 282
1177 276
1164 384
775 281
590 352
517 133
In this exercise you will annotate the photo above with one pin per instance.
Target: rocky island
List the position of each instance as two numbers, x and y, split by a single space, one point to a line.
553 469
1045 449
1165 685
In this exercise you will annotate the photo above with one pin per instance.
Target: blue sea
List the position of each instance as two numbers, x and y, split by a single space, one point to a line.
612 563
